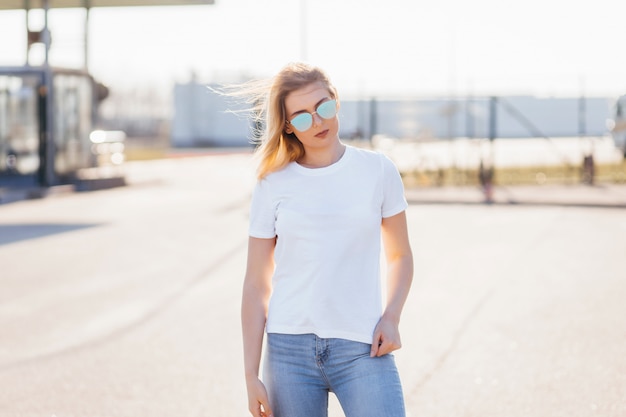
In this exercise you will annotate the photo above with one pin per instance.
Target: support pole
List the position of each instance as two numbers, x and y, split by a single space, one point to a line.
493 115
582 116
470 131
487 171
588 169
46 32
27 10
49 145
87 4
373 119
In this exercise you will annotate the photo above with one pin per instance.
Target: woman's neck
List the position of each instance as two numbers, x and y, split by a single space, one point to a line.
320 158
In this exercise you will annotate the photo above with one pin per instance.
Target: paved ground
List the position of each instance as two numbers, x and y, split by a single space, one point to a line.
125 302
600 196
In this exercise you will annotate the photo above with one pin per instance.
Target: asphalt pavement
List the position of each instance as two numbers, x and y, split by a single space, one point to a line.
125 302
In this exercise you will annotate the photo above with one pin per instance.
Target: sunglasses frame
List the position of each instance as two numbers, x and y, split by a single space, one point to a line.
308 117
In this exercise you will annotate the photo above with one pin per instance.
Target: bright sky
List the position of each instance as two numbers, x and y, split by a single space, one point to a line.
383 47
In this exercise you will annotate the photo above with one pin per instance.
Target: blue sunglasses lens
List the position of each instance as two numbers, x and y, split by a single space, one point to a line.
304 121
328 109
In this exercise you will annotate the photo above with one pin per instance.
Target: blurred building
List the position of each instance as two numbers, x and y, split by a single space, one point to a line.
203 117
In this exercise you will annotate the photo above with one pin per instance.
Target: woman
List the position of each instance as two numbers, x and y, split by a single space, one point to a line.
312 281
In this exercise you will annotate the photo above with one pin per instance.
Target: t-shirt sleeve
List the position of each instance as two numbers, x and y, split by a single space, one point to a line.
262 212
394 200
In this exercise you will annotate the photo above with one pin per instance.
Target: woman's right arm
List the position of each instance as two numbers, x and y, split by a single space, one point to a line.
257 288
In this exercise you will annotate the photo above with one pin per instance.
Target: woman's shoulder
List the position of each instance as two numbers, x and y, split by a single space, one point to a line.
374 161
368 155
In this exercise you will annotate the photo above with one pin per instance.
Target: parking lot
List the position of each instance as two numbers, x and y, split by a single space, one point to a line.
125 302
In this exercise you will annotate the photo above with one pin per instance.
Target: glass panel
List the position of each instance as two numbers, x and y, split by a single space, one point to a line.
72 124
19 128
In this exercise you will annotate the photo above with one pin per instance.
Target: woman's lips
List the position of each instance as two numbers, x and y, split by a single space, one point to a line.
322 134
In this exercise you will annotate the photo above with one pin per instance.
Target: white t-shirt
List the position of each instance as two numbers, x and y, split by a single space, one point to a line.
328 227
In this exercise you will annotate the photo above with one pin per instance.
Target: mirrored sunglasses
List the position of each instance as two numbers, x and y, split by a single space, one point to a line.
304 121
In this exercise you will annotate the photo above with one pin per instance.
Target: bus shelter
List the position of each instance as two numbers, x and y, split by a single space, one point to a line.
47 114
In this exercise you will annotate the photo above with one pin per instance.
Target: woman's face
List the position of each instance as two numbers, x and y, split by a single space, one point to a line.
323 132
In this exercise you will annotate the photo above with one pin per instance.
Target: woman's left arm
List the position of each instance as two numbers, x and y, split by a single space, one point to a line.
399 276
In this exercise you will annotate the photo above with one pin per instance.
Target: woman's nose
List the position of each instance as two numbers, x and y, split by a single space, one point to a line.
317 120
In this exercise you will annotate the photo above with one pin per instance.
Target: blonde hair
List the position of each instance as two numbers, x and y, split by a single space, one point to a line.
277 147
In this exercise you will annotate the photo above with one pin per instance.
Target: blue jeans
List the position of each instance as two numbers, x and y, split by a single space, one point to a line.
300 371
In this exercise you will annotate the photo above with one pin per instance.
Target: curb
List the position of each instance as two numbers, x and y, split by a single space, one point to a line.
610 196
13 195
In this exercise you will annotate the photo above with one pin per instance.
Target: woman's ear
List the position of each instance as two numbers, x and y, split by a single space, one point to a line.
288 128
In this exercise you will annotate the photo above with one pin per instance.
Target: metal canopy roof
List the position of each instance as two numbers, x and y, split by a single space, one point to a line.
55 4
